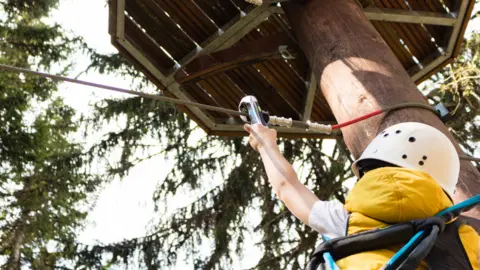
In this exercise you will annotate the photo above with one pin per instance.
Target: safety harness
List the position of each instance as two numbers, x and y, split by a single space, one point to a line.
418 236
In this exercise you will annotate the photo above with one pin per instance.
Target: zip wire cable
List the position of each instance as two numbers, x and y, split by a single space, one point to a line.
122 90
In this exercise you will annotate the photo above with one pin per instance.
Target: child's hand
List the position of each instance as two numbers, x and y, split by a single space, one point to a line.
261 136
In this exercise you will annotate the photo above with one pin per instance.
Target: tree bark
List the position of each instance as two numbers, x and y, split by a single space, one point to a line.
16 247
358 73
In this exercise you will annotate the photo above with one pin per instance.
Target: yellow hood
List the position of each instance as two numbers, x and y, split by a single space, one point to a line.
394 195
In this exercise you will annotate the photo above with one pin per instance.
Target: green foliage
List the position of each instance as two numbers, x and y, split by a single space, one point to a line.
458 87
28 9
44 177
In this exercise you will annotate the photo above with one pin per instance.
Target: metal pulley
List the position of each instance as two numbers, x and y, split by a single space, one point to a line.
249 105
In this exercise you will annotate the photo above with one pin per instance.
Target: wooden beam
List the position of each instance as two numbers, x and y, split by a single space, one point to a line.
285 132
277 10
409 16
221 61
358 73
427 70
309 96
246 28
230 33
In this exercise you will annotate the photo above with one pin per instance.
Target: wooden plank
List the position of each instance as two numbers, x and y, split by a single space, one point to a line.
282 77
210 87
289 94
148 48
220 11
221 61
452 5
228 90
199 95
242 4
160 27
295 84
299 65
190 18
393 41
409 16
253 83
321 110
434 5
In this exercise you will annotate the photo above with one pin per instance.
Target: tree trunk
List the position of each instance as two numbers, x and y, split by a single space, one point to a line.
358 73
16 246
19 227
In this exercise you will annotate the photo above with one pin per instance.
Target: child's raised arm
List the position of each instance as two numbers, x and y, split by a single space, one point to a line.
296 196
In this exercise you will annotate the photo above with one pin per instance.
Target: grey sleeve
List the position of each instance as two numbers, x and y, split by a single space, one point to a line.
329 218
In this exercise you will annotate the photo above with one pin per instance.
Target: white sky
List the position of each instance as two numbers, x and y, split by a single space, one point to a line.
124 208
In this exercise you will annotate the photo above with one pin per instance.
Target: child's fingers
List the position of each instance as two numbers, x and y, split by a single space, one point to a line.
253 142
247 128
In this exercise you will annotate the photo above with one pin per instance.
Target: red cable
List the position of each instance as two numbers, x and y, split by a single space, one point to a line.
353 121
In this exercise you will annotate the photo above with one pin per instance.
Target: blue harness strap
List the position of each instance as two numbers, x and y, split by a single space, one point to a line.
328 257
448 214
411 254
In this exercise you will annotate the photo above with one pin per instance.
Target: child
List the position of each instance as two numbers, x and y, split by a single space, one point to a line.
409 171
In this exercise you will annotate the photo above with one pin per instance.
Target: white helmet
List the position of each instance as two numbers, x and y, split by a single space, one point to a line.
416 146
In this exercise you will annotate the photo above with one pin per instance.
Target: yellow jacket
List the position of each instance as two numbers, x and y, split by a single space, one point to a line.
393 195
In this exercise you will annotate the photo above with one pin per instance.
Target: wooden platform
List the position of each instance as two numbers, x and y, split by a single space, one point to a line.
217 51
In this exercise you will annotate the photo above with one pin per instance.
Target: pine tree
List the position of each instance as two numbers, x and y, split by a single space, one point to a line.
44 177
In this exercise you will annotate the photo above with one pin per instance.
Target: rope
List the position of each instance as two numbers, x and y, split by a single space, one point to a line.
386 110
122 90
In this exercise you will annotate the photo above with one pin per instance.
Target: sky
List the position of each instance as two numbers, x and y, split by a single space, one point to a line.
125 203
124 207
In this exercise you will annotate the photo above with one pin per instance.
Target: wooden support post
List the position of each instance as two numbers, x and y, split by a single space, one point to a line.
358 73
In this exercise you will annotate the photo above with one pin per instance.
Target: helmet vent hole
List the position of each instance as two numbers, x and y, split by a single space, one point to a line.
398 131
421 163
386 135
411 139
404 156
424 157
